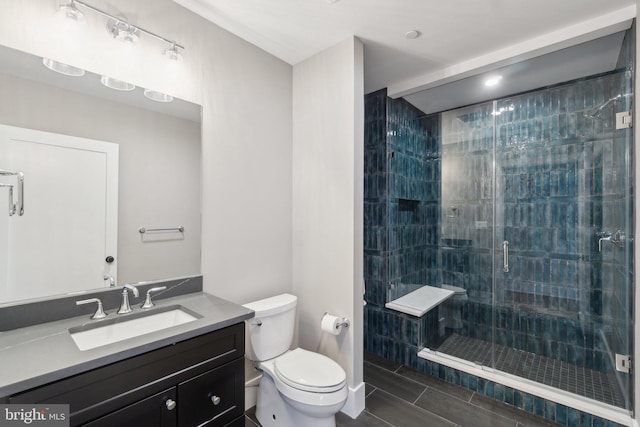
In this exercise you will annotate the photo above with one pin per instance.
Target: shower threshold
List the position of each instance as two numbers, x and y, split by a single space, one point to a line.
581 388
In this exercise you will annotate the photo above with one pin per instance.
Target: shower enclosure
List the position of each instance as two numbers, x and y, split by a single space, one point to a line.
526 203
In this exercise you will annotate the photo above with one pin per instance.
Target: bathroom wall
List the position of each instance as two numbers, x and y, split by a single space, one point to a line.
376 196
328 157
413 159
246 125
401 200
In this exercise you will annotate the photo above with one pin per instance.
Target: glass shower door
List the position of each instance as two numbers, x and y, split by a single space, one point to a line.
562 260
616 248
466 231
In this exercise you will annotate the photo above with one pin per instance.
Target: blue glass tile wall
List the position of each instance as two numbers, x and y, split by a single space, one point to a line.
413 161
376 216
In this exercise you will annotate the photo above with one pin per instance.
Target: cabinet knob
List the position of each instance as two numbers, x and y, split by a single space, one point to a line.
171 404
215 400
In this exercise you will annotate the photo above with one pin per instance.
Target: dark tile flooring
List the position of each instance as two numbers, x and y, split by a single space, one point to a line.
402 397
553 372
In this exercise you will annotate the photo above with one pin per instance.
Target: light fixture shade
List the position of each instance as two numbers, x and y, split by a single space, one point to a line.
122 31
62 68
116 84
157 96
173 53
70 11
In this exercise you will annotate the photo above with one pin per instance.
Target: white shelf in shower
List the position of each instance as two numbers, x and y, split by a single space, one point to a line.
420 301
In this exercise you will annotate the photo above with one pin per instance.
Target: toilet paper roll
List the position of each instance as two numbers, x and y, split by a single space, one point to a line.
331 324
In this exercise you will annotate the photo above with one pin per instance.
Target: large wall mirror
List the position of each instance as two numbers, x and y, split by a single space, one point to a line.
98 186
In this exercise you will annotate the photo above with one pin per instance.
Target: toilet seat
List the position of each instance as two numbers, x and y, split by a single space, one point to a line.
309 371
313 396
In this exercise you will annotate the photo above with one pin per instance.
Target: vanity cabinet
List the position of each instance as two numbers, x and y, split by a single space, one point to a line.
199 381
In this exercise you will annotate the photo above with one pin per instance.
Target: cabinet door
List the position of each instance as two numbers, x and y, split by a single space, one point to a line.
158 410
214 398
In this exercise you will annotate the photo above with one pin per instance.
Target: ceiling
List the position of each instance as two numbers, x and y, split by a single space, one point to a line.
456 36
583 60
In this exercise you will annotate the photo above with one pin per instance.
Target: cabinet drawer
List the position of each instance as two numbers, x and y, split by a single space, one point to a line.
214 398
152 411
103 390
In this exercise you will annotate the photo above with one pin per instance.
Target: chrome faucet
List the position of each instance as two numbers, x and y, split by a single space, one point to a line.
125 307
617 239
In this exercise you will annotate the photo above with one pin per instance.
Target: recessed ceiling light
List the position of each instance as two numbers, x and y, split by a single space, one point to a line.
492 81
413 34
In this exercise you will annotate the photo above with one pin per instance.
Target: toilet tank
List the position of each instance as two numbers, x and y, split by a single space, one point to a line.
270 332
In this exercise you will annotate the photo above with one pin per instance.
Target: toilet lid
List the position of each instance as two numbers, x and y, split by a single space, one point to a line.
309 371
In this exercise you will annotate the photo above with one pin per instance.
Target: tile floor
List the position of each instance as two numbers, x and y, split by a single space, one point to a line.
402 397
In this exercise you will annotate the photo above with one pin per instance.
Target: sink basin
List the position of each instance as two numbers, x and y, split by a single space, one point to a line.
109 331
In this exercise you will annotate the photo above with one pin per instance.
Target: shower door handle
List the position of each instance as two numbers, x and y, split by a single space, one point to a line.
505 256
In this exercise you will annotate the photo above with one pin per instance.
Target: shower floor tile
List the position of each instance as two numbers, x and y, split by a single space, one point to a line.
552 372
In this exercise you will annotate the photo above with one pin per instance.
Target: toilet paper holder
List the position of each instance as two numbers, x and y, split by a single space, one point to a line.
344 321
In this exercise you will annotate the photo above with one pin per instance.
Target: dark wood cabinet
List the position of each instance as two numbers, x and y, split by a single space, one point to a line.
199 381
158 410
212 396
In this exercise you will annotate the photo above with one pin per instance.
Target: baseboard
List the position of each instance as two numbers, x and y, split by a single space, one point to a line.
355 401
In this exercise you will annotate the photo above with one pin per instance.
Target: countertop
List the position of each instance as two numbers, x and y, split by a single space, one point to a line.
40 354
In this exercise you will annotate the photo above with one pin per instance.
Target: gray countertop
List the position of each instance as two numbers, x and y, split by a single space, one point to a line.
37 355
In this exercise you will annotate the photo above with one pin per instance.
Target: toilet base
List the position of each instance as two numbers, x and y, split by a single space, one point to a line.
273 411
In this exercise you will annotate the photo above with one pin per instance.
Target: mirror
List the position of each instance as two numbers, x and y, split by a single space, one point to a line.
111 183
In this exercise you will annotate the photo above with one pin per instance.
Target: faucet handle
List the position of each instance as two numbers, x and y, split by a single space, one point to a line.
99 314
147 302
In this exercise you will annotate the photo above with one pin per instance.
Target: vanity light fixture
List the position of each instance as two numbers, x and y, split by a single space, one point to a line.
116 84
62 68
157 96
120 28
172 53
122 31
71 11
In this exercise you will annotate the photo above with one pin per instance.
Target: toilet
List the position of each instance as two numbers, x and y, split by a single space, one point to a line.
298 387
452 308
